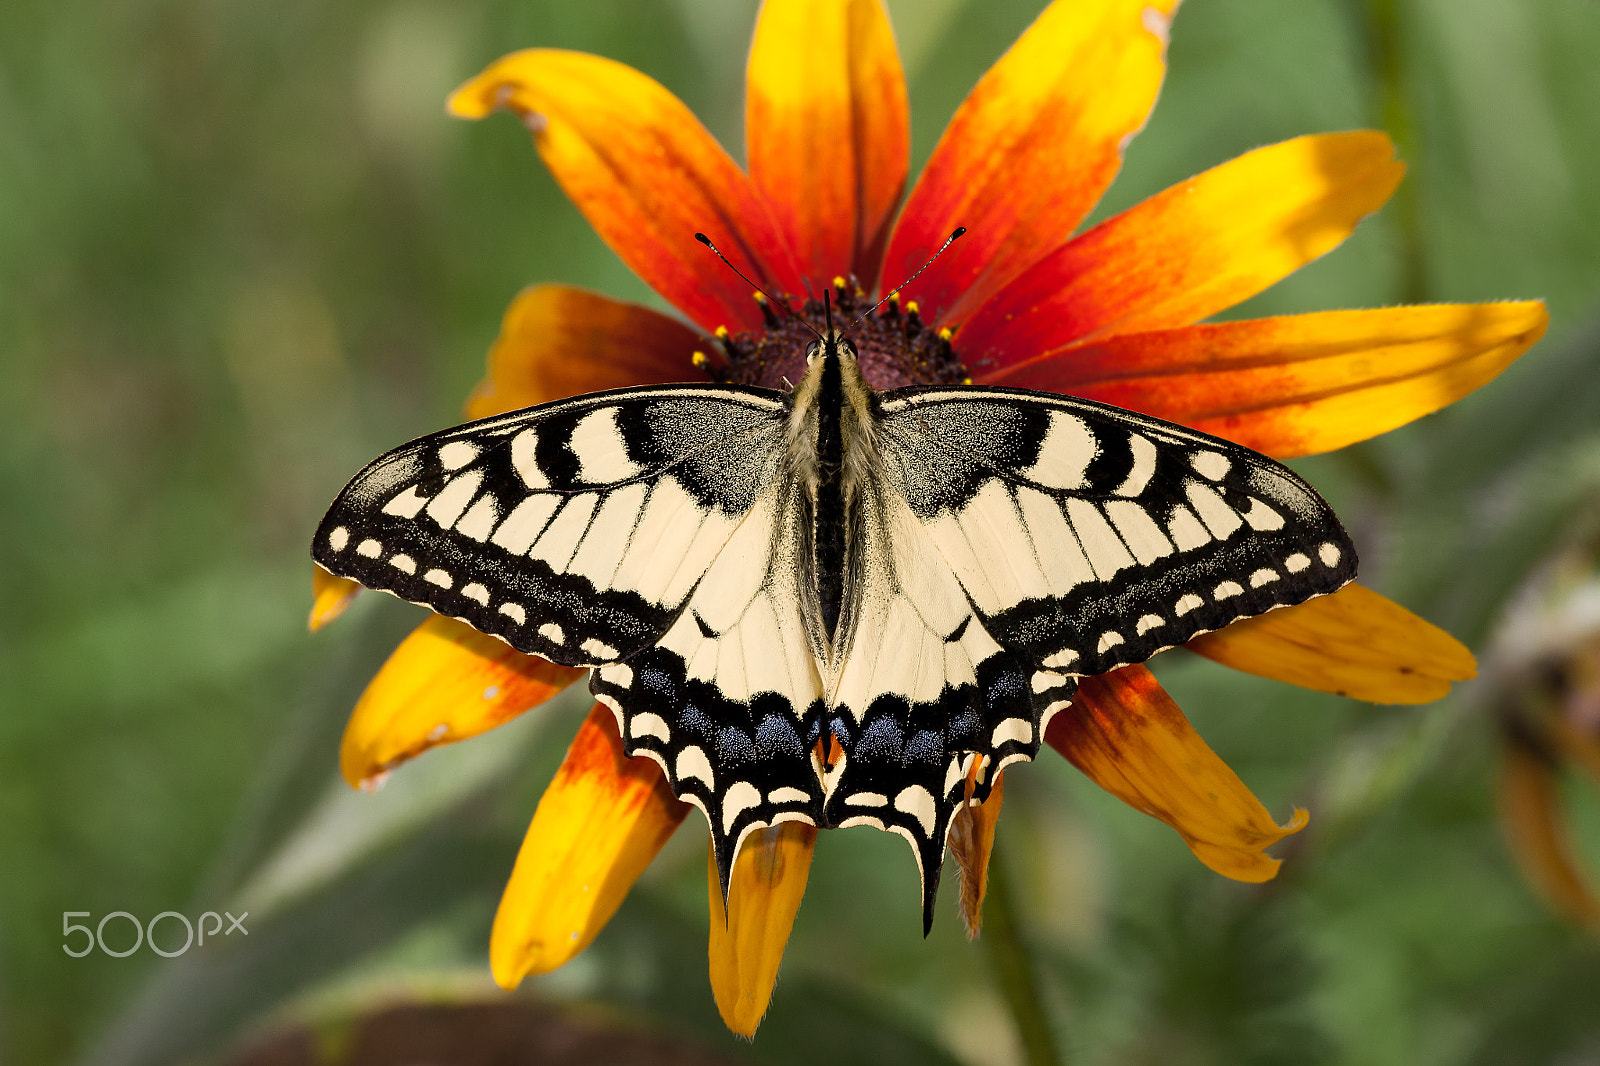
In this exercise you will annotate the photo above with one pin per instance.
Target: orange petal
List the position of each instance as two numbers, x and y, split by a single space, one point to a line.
1030 150
445 682
597 827
747 942
329 597
556 341
1191 251
1127 734
828 131
1531 817
646 175
971 842
1297 384
1353 643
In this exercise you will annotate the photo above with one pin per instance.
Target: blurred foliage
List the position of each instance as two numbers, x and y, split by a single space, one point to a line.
242 250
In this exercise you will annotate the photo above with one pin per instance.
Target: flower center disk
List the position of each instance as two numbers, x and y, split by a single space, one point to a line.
894 347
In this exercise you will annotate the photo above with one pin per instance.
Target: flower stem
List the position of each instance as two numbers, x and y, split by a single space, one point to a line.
1013 966
1386 50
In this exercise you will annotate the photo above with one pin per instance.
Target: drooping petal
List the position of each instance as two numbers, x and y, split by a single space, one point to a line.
329 597
1297 384
1029 152
1530 814
1127 734
1197 248
747 940
646 175
971 842
828 131
557 341
445 682
598 825
1354 643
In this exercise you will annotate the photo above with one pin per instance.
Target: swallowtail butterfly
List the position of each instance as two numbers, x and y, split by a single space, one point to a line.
826 605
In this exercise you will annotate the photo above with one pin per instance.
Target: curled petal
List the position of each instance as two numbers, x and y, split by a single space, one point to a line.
1127 734
445 682
828 131
646 175
1031 149
597 827
747 940
971 842
556 341
1353 643
1530 814
329 597
1191 251
1296 384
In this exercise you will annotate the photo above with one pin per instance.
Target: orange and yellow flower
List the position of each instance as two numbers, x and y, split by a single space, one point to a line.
1113 313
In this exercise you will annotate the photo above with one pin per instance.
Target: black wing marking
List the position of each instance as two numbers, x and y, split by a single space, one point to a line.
574 530
1091 537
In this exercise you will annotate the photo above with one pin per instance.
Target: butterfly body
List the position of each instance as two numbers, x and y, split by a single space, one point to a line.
835 605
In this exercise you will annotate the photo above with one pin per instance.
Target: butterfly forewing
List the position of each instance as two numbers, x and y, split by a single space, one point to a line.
1090 537
575 530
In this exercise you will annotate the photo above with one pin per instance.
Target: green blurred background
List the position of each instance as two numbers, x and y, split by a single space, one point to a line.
242 250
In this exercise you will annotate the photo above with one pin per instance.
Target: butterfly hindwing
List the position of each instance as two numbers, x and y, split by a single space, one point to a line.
574 530
1092 537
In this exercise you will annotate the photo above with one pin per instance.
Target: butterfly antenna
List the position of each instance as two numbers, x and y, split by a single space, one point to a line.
948 241
827 310
703 239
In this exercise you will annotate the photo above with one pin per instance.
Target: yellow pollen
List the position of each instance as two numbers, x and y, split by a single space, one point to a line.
966 381
760 299
839 282
699 359
911 308
945 334
722 333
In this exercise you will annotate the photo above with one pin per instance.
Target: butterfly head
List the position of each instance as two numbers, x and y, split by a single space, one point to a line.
834 344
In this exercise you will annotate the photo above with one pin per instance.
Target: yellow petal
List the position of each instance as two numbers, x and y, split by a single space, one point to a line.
597 827
971 841
557 341
1130 738
1531 817
1295 384
1195 249
1353 643
445 682
764 891
329 597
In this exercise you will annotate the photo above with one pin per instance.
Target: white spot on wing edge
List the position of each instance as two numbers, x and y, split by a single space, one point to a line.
1262 517
477 593
553 633
1329 554
1045 680
1017 729
406 504
338 539
599 649
867 799
1144 466
514 612
787 794
1108 640
404 563
619 674
741 796
1212 465
1186 603
1294 564
692 762
1147 623
917 802
440 578
371 549
649 725
1263 577
1227 590
1064 657
457 453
